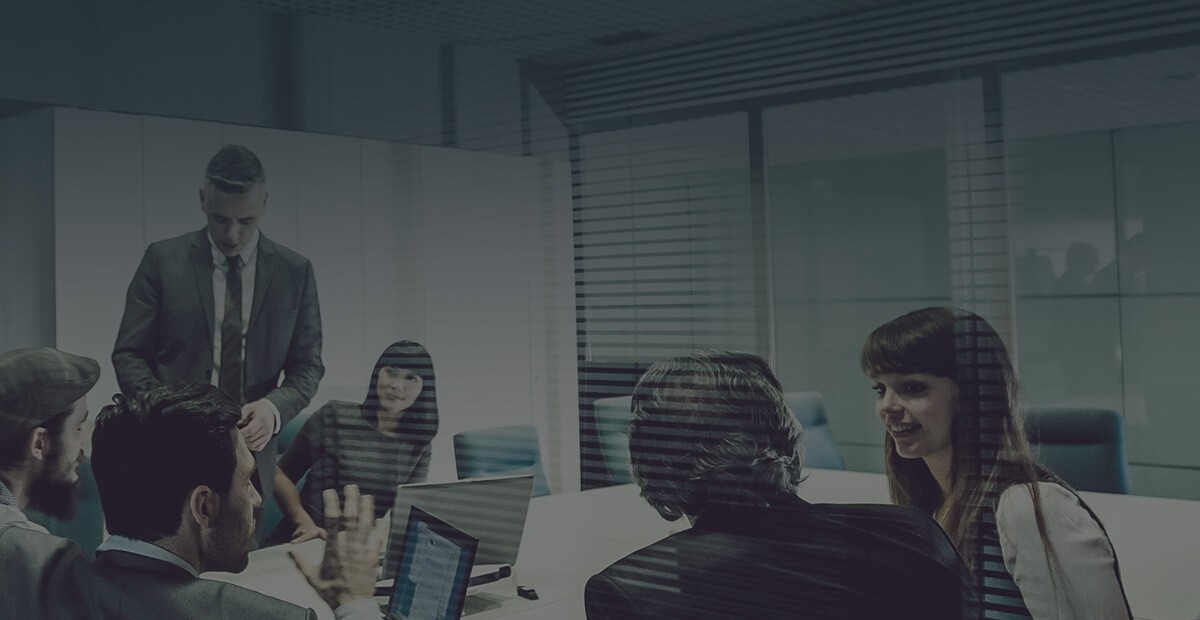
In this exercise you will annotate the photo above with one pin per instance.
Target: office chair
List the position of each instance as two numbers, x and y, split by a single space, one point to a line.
501 450
271 513
87 528
820 450
1086 447
612 416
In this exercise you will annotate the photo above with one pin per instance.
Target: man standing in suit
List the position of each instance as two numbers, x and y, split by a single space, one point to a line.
174 479
712 440
42 413
227 306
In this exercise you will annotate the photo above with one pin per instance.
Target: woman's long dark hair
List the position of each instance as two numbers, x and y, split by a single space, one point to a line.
421 418
989 449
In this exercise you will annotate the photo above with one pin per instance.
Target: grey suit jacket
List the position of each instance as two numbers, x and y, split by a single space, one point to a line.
42 576
135 587
166 333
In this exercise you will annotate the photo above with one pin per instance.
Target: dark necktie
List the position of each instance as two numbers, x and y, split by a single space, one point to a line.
230 379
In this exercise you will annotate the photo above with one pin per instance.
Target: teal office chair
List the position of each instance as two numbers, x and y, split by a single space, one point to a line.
612 416
820 450
498 451
271 513
1085 447
87 528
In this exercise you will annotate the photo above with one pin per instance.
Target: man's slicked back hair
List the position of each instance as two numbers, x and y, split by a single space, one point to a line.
151 449
234 170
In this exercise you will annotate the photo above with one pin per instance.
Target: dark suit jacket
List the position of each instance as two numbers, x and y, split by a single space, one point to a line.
166 333
800 560
134 587
42 576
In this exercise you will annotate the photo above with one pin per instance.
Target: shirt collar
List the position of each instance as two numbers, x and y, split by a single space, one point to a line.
145 549
249 251
6 496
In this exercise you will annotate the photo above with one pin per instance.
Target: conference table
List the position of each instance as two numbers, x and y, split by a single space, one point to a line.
569 537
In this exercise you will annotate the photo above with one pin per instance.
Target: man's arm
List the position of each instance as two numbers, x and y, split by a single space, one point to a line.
302 368
135 338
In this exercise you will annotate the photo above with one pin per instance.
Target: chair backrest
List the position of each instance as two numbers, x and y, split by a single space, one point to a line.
272 514
501 450
87 528
1086 447
612 415
820 450
291 429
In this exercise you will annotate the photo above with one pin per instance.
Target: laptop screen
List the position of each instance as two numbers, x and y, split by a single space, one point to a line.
490 509
434 571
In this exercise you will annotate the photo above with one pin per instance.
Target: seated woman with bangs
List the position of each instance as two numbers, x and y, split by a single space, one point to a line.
377 444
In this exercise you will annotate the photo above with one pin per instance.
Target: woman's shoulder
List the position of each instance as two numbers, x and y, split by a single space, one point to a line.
340 412
1059 505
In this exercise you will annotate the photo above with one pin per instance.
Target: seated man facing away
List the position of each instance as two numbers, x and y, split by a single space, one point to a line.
174 479
712 440
42 413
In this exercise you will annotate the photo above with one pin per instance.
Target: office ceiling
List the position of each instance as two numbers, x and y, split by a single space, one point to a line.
562 33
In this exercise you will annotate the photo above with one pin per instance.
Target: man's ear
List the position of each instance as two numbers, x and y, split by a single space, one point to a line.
37 444
203 506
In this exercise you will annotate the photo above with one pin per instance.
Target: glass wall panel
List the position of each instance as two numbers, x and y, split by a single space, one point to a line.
1102 159
860 191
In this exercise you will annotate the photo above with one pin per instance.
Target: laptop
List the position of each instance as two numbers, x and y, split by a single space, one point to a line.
490 509
434 570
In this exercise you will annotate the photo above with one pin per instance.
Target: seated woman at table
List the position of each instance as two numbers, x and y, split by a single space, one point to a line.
378 444
955 449
712 440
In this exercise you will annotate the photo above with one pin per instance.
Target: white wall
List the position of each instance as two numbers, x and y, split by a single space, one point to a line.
26 218
468 253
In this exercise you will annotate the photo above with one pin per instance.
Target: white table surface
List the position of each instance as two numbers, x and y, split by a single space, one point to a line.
570 537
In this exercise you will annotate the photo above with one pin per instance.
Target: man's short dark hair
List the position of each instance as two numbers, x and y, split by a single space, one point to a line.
151 449
12 450
234 170
710 428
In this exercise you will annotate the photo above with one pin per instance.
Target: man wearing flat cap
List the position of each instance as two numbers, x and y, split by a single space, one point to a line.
42 412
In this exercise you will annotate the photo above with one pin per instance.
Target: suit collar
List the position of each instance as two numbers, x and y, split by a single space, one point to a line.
757 521
202 267
6 496
263 271
133 562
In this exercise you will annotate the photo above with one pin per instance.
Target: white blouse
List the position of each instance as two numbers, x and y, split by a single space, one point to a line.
1084 584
